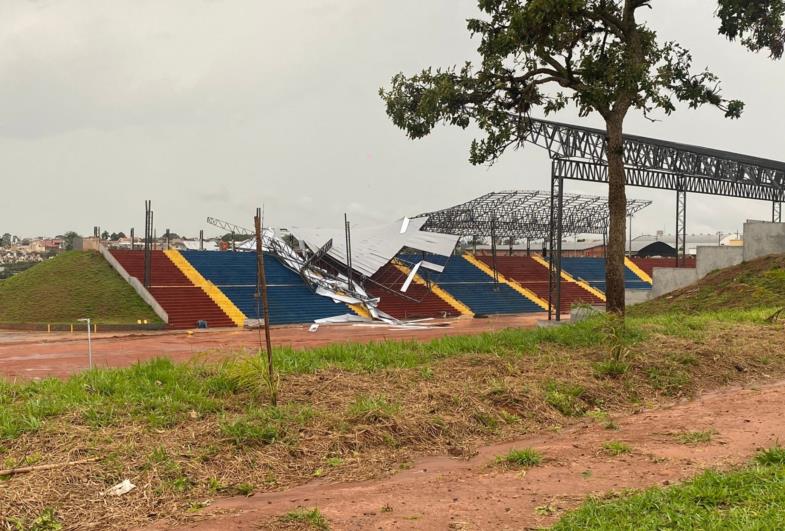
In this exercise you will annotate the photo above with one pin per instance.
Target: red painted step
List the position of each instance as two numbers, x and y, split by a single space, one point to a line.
533 276
429 305
185 303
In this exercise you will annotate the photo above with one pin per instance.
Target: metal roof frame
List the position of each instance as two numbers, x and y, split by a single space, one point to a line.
524 214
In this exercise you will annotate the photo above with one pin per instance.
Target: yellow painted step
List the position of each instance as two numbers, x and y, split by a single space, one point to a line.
208 287
439 292
569 278
640 273
529 294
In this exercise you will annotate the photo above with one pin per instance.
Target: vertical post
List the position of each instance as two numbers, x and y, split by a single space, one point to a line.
493 251
234 248
132 239
510 241
148 234
528 247
681 225
89 341
776 211
348 231
201 240
629 249
558 255
167 240
555 247
262 285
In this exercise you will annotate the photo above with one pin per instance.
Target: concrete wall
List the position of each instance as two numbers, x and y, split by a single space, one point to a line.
667 279
762 239
636 296
714 258
135 283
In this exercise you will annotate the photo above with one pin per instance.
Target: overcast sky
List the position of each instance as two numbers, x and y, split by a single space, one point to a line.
210 108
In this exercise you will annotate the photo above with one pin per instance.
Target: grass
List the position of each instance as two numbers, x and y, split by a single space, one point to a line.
68 287
312 518
749 498
755 284
189 432
524 458
694 438
616 448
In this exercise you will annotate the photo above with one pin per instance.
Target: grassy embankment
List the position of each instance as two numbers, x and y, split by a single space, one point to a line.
68 287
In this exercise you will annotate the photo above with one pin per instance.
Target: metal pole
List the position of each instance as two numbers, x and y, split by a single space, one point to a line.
262 280
681 225
629 250
557 256
493 250
201 240
347 230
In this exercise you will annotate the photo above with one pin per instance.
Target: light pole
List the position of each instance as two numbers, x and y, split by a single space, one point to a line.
89 342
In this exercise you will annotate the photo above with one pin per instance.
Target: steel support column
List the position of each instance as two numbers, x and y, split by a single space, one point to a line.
681 226
493 252
555 248
776 212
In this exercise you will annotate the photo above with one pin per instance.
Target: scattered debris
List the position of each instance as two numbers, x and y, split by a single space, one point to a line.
25 469
124 487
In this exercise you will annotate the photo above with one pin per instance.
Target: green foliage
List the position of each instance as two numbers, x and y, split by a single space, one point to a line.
758 24
372 409
616 448
774 456
598 56
750 498
692 438
68 287
524 458
565 398
266 425
309 517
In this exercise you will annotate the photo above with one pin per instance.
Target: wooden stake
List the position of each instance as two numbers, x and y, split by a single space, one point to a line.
265 309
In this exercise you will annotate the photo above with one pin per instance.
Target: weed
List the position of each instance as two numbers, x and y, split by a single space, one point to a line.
245 489
692 438
603 418
313 518
387 508
771 456
565 398
334 462
525 458
616 448
372 409
611 368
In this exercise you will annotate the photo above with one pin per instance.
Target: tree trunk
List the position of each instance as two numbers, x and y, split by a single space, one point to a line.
617 204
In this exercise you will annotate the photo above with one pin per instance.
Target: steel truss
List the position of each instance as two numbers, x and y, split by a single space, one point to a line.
524 214
580 153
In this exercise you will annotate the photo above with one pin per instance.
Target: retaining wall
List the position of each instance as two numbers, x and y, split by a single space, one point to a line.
713 258
762 239
667 279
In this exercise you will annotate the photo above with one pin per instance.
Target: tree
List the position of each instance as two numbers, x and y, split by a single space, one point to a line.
5 240
758 24
68 239
594 54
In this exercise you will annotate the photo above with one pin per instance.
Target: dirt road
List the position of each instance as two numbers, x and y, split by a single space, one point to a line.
447 493
37 355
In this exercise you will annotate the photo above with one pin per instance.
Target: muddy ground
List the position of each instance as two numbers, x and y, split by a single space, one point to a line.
452 493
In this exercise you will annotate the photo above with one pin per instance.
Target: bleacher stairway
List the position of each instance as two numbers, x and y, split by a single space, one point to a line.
185 303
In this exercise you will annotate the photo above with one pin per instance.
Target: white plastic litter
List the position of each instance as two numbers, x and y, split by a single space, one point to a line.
313 328
124 487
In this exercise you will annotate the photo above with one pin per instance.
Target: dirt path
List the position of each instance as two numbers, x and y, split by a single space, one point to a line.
37 355
446 493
